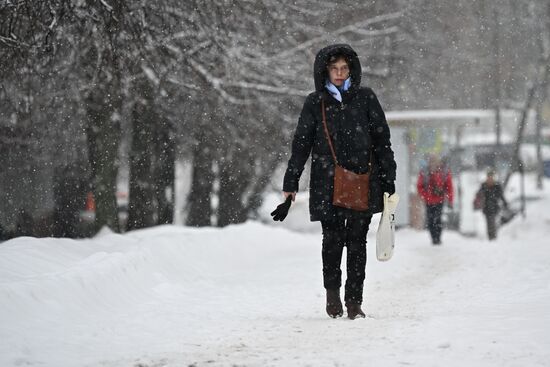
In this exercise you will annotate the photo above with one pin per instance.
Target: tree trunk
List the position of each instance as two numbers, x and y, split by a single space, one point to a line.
164 174
544 76
538 137
140 206
544 40
199 206
258 187
103 135
516 161
70 187
234 180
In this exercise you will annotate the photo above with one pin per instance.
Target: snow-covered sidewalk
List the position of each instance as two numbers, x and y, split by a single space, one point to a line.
251 295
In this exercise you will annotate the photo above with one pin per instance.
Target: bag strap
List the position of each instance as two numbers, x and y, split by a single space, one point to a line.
330 141
326 131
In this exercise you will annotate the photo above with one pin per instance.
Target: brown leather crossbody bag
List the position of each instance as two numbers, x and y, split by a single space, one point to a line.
351 190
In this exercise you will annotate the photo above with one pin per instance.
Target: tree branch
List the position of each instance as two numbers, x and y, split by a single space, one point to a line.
328 35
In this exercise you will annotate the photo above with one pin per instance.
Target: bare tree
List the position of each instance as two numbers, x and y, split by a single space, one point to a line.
539 82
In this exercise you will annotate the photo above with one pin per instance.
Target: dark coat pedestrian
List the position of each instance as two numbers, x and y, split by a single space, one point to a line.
492 197
360 134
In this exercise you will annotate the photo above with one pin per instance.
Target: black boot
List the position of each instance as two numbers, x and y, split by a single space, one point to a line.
334 304
354 311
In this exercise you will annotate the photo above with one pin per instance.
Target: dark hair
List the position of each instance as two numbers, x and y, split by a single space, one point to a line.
335 57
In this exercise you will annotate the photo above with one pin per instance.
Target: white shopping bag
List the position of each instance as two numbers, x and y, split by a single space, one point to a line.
385 237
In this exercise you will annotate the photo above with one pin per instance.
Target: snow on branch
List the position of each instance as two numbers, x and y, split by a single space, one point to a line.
219 85
12 42
268 88
106 5
215 83
350 28
377 32
315 13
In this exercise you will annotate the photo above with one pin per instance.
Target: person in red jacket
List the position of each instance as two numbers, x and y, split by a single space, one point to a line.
435 186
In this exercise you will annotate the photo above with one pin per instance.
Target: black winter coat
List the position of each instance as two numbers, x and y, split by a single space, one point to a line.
358 128
493 195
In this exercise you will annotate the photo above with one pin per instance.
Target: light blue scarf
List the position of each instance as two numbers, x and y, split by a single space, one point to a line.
337 92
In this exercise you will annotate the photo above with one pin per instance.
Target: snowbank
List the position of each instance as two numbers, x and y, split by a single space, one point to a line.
251 295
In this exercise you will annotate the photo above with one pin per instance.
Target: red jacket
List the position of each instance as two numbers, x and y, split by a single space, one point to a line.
436 188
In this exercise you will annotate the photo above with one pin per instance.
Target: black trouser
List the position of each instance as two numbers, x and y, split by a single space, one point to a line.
491 225
353 234
433 220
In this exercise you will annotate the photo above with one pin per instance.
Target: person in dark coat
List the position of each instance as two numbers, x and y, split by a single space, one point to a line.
359 133
435 187
492 196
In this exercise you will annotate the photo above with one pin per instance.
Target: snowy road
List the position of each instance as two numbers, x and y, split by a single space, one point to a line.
251 295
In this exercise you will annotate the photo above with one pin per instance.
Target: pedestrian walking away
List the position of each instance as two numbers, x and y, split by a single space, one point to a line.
435 187
341 125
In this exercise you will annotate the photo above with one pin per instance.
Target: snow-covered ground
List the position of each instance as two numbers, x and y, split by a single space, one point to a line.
251 295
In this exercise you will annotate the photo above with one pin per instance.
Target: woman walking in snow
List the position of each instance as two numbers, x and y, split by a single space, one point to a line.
360 142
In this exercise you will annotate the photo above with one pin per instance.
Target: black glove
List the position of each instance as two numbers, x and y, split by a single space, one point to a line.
282 209
388 187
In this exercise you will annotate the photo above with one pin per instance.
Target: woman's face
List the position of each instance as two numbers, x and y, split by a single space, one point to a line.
338 72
